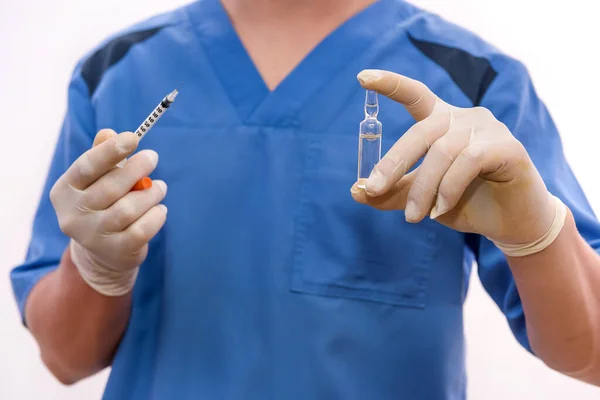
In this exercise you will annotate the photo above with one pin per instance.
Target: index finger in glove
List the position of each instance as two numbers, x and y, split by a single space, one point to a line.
415 96
103 135
108 150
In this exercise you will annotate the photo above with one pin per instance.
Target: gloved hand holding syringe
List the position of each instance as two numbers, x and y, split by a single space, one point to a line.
110 224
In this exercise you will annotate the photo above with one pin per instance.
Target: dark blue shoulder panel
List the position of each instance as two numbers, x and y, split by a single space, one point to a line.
473 75
99 62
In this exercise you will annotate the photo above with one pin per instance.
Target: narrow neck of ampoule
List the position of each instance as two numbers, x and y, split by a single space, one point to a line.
371 104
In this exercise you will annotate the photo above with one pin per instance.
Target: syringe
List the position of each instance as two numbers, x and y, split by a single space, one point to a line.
153 117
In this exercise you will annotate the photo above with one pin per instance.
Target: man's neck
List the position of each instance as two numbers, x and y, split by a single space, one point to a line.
278 34
293 10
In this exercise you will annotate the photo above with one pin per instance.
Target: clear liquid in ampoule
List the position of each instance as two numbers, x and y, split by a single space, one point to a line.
369 140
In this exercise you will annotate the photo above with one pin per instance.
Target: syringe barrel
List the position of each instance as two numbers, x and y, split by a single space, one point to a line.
150 121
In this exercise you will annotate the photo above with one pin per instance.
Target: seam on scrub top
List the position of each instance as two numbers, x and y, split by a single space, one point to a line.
300 220
417 300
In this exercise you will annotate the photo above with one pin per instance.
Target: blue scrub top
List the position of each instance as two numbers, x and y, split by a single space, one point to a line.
268 281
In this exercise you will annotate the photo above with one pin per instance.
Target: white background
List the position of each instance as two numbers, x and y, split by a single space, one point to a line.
42 40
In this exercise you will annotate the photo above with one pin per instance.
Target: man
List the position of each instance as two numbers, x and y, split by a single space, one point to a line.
274 277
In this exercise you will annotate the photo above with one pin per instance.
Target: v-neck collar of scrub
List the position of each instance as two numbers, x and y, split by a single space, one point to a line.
254 102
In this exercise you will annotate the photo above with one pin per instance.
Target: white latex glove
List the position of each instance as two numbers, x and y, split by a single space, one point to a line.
109 224
475 177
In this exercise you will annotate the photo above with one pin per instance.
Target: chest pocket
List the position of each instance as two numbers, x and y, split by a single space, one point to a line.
345 249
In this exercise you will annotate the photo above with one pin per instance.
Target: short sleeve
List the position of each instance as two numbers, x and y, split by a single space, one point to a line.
47 242
513 100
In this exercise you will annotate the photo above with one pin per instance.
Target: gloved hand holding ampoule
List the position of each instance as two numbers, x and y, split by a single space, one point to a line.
110 225
475 177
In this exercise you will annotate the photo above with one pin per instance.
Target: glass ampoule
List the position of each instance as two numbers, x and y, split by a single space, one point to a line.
369 139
